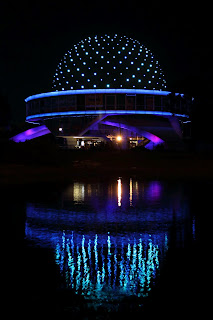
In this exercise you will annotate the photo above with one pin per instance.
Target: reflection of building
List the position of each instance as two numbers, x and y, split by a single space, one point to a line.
110 246
106 87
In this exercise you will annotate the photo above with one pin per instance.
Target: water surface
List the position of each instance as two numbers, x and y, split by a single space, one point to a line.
105 243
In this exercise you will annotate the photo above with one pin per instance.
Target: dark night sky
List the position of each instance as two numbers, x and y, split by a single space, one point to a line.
34 37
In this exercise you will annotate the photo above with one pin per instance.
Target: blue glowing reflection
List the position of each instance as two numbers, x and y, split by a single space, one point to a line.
99 265
110 239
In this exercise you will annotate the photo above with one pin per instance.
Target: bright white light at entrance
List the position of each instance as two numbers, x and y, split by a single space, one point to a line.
118 138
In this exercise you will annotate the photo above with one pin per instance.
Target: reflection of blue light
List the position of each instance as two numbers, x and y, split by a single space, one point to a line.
102 250
98 112
95 267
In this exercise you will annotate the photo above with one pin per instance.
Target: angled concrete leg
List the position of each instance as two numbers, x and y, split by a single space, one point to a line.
93 124
175 125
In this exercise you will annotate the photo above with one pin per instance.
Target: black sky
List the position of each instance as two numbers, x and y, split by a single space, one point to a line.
34 37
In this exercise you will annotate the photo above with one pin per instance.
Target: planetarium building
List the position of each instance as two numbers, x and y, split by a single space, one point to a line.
110 90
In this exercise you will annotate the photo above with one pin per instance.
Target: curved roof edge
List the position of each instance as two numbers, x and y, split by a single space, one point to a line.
93 91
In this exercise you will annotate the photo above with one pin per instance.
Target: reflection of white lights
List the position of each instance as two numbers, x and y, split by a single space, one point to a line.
60 129
78 192
130 192
118 138
119 192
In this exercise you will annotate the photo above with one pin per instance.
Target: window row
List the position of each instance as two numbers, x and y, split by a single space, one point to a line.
99 102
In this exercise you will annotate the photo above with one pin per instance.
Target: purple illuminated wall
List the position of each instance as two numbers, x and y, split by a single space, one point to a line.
31 134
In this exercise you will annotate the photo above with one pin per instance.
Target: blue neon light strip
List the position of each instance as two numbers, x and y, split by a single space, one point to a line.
94 91
99 112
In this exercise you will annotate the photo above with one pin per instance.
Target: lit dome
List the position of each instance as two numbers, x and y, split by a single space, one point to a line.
108 62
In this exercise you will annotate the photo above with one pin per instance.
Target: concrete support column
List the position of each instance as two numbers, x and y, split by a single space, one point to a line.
175 125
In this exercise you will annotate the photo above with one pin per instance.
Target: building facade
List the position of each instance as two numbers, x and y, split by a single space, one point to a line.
110 90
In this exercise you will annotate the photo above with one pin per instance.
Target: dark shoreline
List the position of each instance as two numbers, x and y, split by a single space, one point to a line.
65 166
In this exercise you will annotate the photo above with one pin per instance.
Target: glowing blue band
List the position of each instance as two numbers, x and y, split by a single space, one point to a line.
98 91
99 112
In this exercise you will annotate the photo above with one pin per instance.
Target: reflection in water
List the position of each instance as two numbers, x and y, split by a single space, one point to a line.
130 192
78 192
110 240
103 266
119 192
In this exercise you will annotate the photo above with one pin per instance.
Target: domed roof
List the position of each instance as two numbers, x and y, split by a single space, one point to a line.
108 62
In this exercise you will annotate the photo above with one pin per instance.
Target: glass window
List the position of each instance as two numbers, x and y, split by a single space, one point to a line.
80 102
149 102
71 102
157 101
140 101
110 102
130 102
90 101
120 102
99 101
62 101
